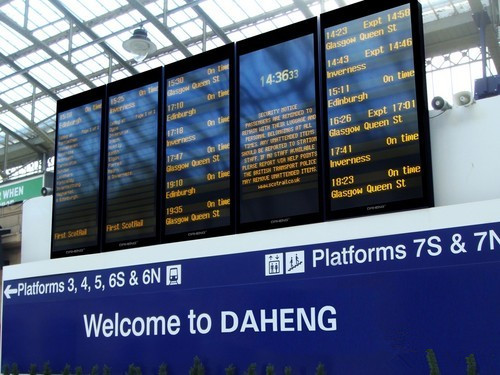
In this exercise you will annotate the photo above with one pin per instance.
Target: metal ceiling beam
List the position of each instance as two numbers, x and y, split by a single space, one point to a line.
29 36
20 139
450 34
168 34
28 122
30 78
303 8
490 33
210 22
87 30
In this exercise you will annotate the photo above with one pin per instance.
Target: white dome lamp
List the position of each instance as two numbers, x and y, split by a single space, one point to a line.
139 45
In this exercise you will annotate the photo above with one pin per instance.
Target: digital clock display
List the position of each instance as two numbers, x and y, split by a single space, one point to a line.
278 137
75 228
375 110
198 146
132 163
278 77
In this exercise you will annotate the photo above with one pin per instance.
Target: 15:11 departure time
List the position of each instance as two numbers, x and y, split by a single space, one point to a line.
278 77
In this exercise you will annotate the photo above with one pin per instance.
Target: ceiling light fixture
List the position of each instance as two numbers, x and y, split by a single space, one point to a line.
139 44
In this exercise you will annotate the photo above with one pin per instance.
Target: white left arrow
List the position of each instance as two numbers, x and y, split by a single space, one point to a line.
8 291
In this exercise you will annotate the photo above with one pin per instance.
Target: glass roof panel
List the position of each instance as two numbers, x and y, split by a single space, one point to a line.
250 7
79 10
178 3
15 123
5 70
269 5
282 21
79 55
84 68
136 16
52 74
216 13
113 26
25 110
195 49
115 43
10 41
99 81
101 30
17 93
148 65
180 33
167 59
91 50
48 124
126 19
45 11
60 47
80 39
71 91
235 12
102 60
120 74
250 31
44 108
266 26
193 28
87 9
15 11
45 32
158 37
61 25
296 16
32 59
113 4
14 81
236 36
179 17
155 8
93 65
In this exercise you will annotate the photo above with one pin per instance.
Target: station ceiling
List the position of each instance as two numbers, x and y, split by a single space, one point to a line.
52 49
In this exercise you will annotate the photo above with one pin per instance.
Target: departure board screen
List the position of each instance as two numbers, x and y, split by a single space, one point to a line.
278 139
132 160
77 172
375 134
197 179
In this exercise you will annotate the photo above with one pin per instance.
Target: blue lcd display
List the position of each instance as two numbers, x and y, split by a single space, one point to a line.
76 191
374 150
278 132
198 151
132 165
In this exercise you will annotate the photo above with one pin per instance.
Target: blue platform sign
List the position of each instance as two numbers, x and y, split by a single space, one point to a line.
364 306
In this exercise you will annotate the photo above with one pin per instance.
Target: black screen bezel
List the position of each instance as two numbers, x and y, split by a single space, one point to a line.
226 52
116 88
63 105
262 41
358 11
